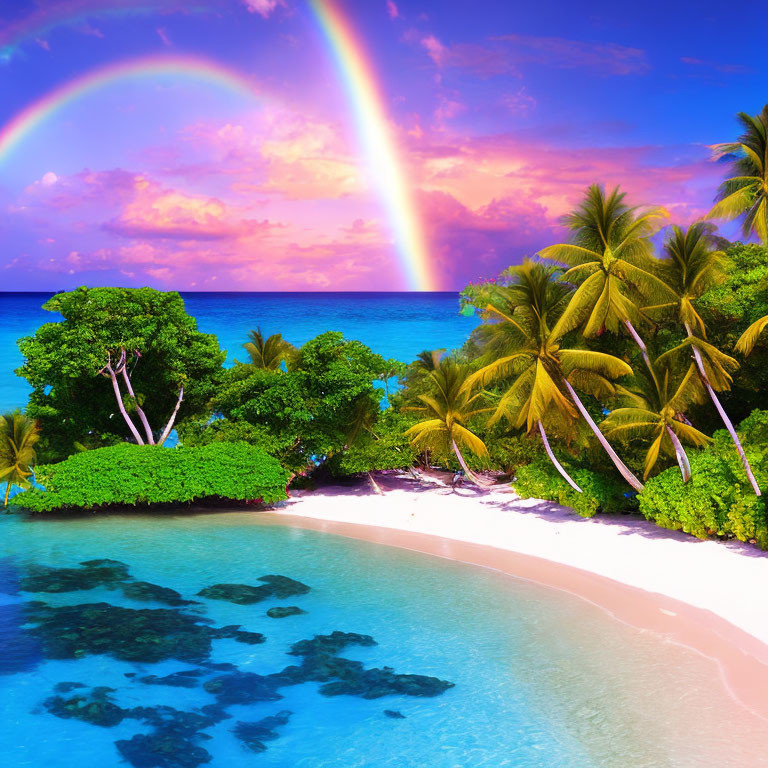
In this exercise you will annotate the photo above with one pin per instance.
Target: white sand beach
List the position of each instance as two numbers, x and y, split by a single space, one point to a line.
707 595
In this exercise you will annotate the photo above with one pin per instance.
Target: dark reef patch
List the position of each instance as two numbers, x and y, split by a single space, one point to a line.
243 688
244 594
96 708
187 678
144 635
145 590
281 611
253 735
90 574
394 714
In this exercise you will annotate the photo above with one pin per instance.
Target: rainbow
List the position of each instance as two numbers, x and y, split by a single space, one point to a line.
25 121
361 83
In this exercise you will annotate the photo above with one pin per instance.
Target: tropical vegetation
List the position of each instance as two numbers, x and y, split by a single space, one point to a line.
600 376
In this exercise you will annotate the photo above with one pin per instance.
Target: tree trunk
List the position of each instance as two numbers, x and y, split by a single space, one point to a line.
119 398
626 472
476 479
169 425
7 491
558 466
374 485
680 454
643 349
142 415
723 415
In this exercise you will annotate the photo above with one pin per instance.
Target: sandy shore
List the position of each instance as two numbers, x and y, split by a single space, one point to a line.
706 595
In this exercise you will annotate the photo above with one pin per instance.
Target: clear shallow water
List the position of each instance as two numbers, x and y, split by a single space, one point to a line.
398 325
542 679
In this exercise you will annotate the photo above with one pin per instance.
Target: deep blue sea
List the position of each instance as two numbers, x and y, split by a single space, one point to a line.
397 325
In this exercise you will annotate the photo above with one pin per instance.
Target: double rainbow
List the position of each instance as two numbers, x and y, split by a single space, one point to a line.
364 95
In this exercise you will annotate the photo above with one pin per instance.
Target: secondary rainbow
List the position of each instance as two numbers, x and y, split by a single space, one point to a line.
379 144
25 121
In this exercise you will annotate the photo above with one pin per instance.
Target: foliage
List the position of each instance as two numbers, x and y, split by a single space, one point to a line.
129 474
718 500
745 194
73 403
600 492
309 412
383 446
18 436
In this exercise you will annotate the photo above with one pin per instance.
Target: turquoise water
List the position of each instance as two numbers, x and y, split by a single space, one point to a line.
398 325
540 679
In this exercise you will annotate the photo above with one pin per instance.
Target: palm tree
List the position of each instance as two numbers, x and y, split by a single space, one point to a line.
18 435
656 414
447 411
693 266
429 359
521 346
611 258
268 353
748 339
746 193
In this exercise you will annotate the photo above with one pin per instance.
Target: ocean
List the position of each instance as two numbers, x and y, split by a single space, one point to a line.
395 325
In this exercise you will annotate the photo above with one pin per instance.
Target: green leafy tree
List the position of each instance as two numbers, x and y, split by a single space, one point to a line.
269 353
158 368
446 411
610 256
745 194
524 351
693 266
18 435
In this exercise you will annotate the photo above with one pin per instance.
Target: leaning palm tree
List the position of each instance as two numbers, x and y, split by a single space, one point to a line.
18 435
447 410
655 415
520 347
429 359
693 266
268 353
746 192
610 256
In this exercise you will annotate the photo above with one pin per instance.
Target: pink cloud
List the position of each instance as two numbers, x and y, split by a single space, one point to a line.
263 7
393 10
713 66
163 35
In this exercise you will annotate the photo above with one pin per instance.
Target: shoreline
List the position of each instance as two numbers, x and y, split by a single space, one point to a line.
698 594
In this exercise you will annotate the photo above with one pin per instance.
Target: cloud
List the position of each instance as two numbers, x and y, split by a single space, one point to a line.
560 53
158 212
163 35
504 54
701 67
481 60
393 10
263 7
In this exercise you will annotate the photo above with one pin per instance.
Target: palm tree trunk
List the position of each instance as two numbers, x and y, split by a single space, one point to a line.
643 349
7 491
682 456
476 479
374 485
626 472
169 425
723 415
558 466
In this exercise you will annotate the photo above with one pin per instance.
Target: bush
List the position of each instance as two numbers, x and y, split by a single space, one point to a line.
718 500
136 475
600 493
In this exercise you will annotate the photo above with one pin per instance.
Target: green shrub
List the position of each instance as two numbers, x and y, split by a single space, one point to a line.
600 493
718 500
137 475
